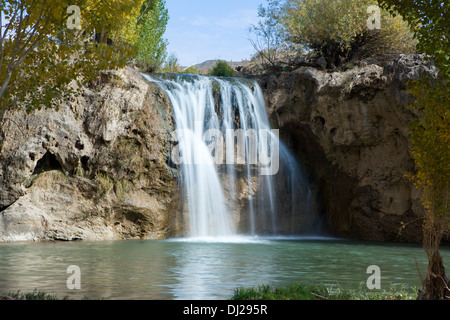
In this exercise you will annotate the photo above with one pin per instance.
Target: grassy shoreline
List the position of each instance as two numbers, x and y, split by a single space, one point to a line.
33 295
294 291
301 291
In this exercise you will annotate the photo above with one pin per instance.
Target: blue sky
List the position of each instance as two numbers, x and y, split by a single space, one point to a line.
200 30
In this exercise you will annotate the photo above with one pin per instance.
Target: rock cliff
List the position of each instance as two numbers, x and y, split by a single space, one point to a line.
95 169
350 131
98 168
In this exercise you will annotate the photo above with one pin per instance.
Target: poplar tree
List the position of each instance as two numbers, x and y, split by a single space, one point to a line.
430 133
48 47
151 45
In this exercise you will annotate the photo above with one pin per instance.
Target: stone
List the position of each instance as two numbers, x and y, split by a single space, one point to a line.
99 168
94 170
322 62
350 131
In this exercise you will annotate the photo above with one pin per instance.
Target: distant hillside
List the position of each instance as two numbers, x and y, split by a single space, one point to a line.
205 66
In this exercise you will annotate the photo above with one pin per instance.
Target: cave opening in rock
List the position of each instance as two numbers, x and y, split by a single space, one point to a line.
47 163
84 163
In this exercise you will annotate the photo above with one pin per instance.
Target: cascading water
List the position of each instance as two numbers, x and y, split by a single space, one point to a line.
236 175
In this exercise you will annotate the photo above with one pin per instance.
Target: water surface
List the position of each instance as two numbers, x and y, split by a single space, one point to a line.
203 269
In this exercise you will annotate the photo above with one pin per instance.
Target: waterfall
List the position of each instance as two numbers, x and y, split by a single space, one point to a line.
236 175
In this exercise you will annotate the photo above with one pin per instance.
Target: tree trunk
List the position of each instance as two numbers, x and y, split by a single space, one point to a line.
436 284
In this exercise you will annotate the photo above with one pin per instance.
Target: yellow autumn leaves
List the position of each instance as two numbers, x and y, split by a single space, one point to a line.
114 17
430 139
40 54
320 23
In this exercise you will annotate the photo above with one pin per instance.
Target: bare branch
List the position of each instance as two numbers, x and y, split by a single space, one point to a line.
30 37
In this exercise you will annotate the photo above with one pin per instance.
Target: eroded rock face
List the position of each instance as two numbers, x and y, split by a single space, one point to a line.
350 131
95 169
98 168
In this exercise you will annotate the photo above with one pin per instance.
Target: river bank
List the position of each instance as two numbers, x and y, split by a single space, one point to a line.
296 291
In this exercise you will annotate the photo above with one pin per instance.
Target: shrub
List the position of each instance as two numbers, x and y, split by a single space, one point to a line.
338 29
222 69
191 70
272 50
104 183
171 64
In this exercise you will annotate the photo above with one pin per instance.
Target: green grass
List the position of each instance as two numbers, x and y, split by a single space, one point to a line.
321 292
35 295
291 292
295 291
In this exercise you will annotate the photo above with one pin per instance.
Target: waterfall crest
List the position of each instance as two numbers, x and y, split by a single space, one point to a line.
237 176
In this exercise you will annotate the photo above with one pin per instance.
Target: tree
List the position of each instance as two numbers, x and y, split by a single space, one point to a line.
171 64
430 24
269 40
42 49
222 69
151 46
430 133
430 148
337 29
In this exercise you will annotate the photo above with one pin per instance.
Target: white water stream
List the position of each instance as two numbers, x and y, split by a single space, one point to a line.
223 135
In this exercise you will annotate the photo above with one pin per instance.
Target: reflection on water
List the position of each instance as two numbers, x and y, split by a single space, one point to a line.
201 269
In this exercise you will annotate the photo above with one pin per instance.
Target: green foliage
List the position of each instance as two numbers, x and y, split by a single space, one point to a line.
430 133
191 70
338 30
430 139
269 41
297 291
395 292
151 46
222 69
291 292
171 64
430 23
40 56
35 295
104 182
335 29
121 188
127 155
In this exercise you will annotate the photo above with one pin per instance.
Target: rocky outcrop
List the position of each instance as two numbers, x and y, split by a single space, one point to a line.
350 131
98 168
95 169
